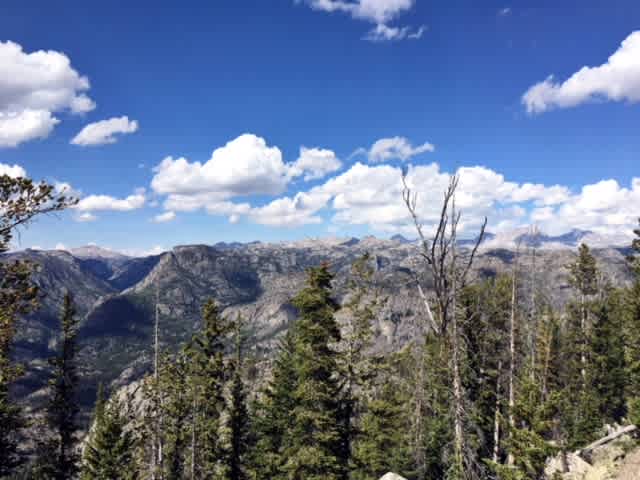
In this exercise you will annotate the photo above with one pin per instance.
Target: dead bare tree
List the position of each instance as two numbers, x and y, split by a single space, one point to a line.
512 346
449 271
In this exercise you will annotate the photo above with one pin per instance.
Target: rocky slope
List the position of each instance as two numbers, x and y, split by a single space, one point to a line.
116 294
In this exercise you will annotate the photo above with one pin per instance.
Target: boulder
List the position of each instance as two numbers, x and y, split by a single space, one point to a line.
392 476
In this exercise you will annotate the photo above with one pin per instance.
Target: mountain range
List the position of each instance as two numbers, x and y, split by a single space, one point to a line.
116 294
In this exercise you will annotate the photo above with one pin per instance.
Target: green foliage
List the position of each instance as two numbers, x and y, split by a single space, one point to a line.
109 452
238 423
607 372
383 443
273 421
21 200
57 457
314 448
207 379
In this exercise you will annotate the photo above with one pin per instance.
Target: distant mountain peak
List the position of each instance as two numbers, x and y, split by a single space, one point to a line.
401 239
94 251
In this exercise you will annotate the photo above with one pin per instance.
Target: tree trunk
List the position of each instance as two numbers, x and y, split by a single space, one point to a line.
496 418
512 353
583 340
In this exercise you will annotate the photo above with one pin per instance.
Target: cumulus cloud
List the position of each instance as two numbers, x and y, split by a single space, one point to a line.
20 127
370 195
104 131
13 171
244 167
378 12
616 80
165 217
393 148
33 87
95 203
315 163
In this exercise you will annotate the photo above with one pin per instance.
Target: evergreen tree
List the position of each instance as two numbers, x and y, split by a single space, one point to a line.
57 455
21 200
580 420
273 419
632 334
608 376
108 454
357 362
314 447
176 408
383 441
207 384
239 427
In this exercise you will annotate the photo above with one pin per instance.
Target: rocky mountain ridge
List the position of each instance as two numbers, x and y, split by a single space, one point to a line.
116 293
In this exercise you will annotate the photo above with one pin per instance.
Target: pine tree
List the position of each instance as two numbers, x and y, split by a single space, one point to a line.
109 452
608 376
273 419
176 409
11 420
57 455
314 448
580 420
21 201
632 333
357 362
207 384
239 427
383 443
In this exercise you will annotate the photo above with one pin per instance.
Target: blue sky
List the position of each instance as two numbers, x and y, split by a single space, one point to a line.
196 75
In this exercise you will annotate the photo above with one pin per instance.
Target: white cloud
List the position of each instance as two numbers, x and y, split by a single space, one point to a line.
33 87
95 203
503 12
385 33
291 212
104 131
378 12
315 163
85 217
167 216
13 171
616 80
20 127
375 11
244 166
371 196
60 246
394 148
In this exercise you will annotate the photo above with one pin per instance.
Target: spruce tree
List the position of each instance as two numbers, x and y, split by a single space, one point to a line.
608 376
207 379
238 415
109 452
357 361
273 419
580 420
383 443
314 447
176 408
632 333
57 455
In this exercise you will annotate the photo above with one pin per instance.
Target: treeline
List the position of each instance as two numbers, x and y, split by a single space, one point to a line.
494 382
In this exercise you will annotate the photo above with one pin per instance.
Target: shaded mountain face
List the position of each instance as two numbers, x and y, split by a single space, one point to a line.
116 296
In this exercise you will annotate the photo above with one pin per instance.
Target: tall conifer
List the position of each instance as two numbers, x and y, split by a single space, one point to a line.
314 448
